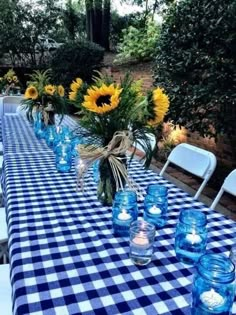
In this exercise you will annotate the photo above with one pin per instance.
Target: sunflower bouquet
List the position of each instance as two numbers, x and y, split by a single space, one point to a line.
45 97
114 118
9 83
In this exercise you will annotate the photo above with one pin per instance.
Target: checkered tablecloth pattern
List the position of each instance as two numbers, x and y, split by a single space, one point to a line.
63 255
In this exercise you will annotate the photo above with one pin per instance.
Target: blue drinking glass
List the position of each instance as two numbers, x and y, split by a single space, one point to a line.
213 286
63 157
124 211
191 236
156 205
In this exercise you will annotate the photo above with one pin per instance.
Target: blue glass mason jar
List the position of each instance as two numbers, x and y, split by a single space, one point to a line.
213 285
156 205
191 236
124 211
50 136
63 157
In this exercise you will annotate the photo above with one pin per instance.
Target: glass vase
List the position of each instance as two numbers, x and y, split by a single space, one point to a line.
106 188
213 285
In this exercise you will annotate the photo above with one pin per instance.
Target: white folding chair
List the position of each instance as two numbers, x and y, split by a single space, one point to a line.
152 140
228 186
10 103
5 290
3 236
194 160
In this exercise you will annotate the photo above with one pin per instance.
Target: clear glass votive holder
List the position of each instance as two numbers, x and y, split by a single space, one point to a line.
142 236
63 157
156 205
213 285
124 211
191 236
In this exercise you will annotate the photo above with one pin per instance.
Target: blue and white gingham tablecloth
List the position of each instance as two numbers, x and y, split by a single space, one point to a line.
63 255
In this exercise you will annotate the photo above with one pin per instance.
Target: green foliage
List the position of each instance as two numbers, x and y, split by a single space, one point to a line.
195 62
119 23
138 44
21 24
76 59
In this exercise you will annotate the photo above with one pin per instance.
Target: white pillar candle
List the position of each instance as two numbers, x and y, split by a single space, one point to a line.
211 299
193 238
155 210
124 215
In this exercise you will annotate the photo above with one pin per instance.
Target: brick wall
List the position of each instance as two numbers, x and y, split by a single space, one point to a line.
224 149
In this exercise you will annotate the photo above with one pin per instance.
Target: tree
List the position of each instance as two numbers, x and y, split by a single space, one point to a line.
74 20
98 21
195 62
20 26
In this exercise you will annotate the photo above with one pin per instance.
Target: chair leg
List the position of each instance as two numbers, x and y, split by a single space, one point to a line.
217 198
164 168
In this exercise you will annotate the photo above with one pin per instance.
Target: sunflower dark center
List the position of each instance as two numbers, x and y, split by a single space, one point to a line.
103 99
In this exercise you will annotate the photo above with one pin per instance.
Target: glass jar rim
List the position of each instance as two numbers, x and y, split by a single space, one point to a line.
141 225
193 217
157 189
216 267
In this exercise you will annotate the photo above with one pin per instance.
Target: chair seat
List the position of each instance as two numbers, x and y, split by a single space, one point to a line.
3 225
5 290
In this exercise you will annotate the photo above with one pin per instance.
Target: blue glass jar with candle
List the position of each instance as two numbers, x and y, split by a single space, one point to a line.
63 157
50 136
124 211
213 286
191 236
156 205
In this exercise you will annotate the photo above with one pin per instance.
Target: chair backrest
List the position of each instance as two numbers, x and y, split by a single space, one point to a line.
10 103
152 140
229 186
194 160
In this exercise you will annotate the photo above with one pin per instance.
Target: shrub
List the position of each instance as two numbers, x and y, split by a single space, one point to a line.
75 59
138 44
196 64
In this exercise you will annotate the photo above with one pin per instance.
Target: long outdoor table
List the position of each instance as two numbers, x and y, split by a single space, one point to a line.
64 257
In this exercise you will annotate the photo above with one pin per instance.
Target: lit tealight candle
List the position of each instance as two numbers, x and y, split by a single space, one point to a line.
212 299
141 239
193 238
155 210
124 215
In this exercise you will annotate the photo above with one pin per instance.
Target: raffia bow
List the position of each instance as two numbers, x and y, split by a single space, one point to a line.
46 110
120 143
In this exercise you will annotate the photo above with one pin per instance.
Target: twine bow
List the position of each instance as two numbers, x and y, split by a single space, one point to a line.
120 143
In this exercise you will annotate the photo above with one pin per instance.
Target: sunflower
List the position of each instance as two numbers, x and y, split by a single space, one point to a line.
72 96
31 92
61 90
102 100
75 85
161 104
50 89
